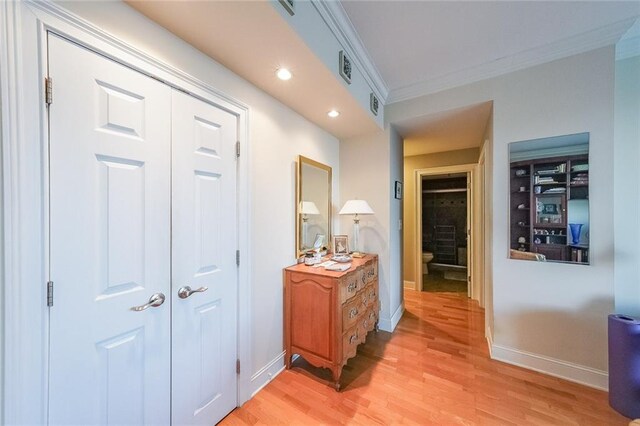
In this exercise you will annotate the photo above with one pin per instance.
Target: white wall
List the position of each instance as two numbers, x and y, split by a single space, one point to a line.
627 186
548 316
487 153
277 135
396 159
1 277
366 173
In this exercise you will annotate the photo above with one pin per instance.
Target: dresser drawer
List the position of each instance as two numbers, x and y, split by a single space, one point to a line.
363 299
372 294
350 313
349 285
366 323
350 342
372 317
371 272
363 277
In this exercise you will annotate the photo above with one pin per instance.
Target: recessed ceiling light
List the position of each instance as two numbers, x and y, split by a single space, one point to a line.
333 113
284 74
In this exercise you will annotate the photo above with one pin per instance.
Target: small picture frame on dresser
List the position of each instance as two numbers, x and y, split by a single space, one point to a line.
340 244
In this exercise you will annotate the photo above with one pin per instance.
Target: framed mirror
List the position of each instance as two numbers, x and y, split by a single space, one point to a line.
549 199
313 205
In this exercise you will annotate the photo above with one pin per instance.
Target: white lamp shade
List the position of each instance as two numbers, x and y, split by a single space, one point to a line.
308 207
356 207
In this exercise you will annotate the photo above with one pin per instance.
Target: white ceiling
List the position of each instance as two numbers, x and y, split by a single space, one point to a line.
411 47
460 128
413 43
251 39
421 47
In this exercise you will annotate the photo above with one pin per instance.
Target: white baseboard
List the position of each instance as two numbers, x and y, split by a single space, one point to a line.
390 324
411 285
554 367
267 373
488 334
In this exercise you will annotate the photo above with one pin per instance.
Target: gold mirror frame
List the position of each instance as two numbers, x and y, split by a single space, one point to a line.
300 191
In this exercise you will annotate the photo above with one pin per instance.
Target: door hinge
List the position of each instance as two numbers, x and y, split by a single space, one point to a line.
237 257
237 366
237 149
48 90
49 293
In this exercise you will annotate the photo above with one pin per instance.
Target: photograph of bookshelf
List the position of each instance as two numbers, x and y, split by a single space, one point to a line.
543 193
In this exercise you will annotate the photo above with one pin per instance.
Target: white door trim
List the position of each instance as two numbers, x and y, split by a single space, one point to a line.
480 232
470 169
24 202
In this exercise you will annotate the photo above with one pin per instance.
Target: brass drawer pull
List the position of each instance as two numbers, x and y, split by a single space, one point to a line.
353 313
352 287
353 339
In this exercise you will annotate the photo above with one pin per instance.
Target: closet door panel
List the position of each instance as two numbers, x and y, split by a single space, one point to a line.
109 241
204 242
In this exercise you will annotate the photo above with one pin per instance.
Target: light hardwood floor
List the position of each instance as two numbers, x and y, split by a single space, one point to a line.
433 370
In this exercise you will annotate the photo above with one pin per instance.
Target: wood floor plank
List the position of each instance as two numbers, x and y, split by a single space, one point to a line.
433 370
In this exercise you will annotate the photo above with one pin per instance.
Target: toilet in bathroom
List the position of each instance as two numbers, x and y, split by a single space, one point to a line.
427 257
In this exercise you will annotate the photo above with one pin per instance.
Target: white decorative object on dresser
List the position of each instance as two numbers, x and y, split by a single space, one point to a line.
327 314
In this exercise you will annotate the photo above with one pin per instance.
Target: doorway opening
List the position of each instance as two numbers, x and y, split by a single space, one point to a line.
445 232
457 254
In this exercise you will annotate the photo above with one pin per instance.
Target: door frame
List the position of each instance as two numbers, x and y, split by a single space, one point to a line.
472 255
480 206
24 177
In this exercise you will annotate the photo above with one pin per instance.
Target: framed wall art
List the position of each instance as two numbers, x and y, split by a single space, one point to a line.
398 190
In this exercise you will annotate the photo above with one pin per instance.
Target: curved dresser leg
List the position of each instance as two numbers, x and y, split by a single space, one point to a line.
287 361
337 372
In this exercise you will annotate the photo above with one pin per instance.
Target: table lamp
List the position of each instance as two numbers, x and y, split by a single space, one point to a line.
356 207
306 208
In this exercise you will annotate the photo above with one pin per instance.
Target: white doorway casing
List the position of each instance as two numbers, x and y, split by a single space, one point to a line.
479 227
24 179
474 290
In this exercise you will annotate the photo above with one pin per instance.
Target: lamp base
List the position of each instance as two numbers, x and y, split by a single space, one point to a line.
358 254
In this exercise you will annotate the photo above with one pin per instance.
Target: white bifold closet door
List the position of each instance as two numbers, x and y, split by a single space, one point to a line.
142 183
204 257
110 241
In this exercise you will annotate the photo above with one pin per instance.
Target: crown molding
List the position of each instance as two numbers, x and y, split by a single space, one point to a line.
590 40
628 48
342 28
629 44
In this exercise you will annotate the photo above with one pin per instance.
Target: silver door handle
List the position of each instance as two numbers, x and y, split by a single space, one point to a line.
186 291
154 301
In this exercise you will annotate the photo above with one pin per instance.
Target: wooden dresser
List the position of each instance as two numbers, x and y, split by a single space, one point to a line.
328 314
